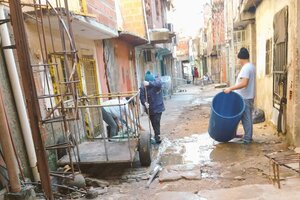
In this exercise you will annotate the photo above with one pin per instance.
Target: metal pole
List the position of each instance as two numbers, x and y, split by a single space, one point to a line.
8 151
148 111
30 93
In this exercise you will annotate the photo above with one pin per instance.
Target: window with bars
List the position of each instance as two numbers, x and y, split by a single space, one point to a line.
279 72
280 24
239 36
90 77
148 56
268 56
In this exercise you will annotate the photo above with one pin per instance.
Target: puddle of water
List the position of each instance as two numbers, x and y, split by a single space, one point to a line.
232 152
201 101
209 99
202 150
191 150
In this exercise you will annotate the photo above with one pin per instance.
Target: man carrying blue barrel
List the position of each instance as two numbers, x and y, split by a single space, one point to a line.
245 86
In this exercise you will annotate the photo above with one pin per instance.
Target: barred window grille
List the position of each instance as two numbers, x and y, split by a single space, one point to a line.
268 56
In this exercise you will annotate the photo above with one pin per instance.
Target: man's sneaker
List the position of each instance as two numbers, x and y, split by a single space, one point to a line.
242 141
154 141
247 141
158 141
238 136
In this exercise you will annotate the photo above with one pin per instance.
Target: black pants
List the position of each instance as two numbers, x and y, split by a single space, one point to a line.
155 121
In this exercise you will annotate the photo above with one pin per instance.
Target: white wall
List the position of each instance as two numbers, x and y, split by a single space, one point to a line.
264 30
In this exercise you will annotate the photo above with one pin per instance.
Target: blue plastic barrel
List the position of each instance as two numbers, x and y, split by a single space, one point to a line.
226 113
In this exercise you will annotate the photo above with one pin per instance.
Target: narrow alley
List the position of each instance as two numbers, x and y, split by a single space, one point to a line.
194 166
149 99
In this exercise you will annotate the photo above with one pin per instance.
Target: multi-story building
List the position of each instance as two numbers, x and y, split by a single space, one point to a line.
216 41
157 55
63 49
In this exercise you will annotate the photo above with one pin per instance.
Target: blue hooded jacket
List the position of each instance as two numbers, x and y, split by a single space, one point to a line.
155 96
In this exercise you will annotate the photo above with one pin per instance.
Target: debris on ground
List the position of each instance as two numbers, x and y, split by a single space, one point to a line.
91 194
78 181
96 182
239 178
177 172
221 85
153 174
258 116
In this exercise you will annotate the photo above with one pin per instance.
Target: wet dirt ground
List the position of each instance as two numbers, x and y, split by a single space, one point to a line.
191 161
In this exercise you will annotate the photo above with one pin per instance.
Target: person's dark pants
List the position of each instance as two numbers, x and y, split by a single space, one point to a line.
112 129
155 121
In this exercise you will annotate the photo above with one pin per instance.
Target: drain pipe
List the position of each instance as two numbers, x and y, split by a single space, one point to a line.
8 151
18 96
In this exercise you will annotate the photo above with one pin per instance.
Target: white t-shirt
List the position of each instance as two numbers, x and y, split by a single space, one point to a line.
247 71
117 111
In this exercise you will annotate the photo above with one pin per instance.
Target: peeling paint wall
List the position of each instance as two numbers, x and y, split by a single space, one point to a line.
12 115
101 67
264 31
143 65
120 65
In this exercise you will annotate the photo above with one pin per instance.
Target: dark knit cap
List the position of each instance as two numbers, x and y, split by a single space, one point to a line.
149 76
243 54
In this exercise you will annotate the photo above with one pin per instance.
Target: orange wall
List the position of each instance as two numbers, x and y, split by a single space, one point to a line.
133 16
122 56
124 80
182 48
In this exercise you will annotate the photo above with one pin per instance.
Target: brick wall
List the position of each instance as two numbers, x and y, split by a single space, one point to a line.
218 28
104 10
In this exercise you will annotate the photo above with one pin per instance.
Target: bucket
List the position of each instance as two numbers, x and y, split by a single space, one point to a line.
226 113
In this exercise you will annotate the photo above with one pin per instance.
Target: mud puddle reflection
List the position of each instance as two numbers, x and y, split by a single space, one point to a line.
189 150
201 150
